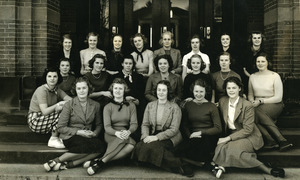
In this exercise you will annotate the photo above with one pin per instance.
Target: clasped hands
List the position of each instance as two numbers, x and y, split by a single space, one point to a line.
196 134
123 134
150 139
86 133
224 140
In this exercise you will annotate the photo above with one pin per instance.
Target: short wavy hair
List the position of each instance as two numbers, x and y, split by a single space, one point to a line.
263 38
164 56
162 37
145 41
189 62
169 88
202 83
100 56
119 81
52 69
236 81
129 56
91 34
82 79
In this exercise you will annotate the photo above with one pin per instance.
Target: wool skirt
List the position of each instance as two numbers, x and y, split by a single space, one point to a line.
83 145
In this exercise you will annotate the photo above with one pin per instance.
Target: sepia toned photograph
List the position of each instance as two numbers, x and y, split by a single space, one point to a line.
149 89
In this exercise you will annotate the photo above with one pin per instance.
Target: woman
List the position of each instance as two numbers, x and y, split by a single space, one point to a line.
167 41
79 125
68 78
197 65
241 136
99 79
195 44
67 51
219 77
143 57
45 106
201 125
266 97
164 65
120 121
115 56
87 54
160 133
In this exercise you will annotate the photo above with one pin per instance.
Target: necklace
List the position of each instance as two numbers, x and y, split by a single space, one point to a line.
96 76
226 75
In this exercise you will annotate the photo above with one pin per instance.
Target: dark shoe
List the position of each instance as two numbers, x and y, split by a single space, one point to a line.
277 172
95 168
87 164
49 165
284 145
60 166
186 170
271 146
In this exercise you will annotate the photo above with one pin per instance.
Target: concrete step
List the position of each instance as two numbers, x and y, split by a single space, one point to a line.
289 121
289 158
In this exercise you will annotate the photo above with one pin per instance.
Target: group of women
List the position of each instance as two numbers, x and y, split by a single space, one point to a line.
157 109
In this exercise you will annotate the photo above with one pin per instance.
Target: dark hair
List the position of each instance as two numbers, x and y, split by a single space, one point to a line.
100 56
196 36
202 83
91 34
167 83
129 56
67 60
145 41
189 62
52 69
63 37
225 34
119 81
263 38
162 37
226 54
82 79
236 81
164 56
264 54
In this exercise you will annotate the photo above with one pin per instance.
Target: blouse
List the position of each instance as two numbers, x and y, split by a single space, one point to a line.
143 67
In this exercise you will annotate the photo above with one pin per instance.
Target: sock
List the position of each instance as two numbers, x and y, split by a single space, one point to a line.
70 164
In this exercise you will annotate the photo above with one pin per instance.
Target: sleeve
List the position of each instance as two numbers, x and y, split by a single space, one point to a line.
133 118
146 123
41 96
250 89
63 120
98 119
185 123
217 126
178 70
179 87
61 94
248 124
174 127
148 90
107 113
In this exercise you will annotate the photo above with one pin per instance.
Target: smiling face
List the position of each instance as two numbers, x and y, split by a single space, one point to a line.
64 67
117 42
118 91
261 63
196 64
163 65
98 65
127 65
51 79
92 41
82 90
225 40
138 42
199 93
167 41
256 39
67 44
224 62
195 44
232 90
162 92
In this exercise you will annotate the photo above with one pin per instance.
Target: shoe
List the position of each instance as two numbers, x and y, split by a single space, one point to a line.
49 165
220 171
284 145
278 172
271 146
55 142
93 169
87 164
186 170
60 166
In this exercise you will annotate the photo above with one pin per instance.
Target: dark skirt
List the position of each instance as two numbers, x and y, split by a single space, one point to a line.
82 145
158 153
198 149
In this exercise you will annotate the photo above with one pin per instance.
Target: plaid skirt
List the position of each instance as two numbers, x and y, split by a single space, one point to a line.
41 124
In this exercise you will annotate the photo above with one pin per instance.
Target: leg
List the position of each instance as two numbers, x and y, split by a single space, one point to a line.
85 158
118 153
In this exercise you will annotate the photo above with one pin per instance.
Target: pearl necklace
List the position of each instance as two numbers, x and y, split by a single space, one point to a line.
96 77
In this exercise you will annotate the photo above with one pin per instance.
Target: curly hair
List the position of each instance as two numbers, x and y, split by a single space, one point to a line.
166 33
236 81
164 56
145 41
119 81
97 56
204 84
129 56
167 83
263 38
91 34
52 69
189 62
82 79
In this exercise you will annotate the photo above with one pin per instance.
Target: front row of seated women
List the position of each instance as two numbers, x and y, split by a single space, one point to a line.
161 142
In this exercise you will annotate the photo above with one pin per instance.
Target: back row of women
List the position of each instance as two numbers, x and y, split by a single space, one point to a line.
122 107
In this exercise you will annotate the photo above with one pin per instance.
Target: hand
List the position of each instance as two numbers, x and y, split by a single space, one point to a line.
189 71
86 133
150 139
188 99
173 72
58 107
125 134
107 94
196 134
224 140
119 135
255 103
